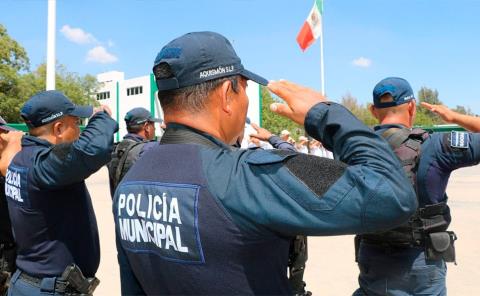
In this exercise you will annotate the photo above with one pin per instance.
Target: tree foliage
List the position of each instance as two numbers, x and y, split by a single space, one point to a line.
17 83
359 110
276 123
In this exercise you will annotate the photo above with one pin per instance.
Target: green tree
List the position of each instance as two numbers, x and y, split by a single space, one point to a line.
17 83
276 123
425 117
13 61
361 111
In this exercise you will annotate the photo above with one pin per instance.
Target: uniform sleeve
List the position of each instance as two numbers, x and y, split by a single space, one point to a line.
441 154
278 143
289 193
71 163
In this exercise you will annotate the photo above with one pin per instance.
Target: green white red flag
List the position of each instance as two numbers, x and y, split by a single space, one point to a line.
312 28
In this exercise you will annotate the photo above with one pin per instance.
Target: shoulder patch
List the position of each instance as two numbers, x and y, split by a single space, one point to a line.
317 173
459 140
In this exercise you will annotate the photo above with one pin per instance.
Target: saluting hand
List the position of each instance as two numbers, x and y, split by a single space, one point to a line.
102 108
262 134
299 100
10 144
443 111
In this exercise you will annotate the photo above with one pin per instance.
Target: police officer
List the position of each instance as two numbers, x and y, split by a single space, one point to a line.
50 208
9 146
196 216
141 133
410 259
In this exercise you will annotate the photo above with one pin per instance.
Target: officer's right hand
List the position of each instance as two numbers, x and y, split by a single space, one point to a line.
446 114
299 99
102 108
10 144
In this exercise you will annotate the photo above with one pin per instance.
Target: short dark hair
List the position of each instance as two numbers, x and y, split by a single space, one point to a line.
191 98
134 129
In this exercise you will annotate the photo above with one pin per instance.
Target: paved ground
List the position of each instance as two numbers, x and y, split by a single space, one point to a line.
331 269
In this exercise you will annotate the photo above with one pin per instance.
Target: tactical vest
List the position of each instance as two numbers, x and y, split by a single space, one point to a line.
124 155
193 246
407 146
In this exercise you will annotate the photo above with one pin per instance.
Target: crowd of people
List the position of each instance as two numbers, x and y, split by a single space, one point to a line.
196 214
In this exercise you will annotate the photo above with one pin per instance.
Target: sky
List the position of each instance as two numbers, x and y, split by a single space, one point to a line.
432 43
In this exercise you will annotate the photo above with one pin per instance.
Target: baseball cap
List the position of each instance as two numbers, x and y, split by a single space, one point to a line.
4 126
285 133
138 116
198 57
398 88
48 106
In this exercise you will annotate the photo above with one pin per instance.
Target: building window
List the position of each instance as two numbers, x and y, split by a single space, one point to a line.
136 90
103 95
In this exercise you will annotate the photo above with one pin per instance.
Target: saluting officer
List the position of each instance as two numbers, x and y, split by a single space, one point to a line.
410 259
50 207
9 146
196 216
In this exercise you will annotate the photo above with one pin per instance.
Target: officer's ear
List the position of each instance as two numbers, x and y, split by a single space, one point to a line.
57 128
225 97
374 111
412 111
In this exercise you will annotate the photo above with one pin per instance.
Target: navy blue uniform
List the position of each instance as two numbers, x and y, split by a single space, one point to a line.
206 219
405 271
51 211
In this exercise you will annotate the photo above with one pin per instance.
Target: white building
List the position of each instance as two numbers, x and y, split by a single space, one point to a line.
122 94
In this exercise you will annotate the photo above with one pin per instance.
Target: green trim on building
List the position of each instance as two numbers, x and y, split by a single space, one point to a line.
118 108
153 90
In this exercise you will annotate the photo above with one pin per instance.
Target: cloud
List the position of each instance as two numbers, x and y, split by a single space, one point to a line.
99 54
110 43
77 35
362 62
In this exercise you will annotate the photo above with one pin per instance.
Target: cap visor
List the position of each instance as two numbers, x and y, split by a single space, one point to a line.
155 120
7 128
252 76
82 111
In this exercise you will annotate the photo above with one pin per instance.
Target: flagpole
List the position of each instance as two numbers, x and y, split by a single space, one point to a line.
51 45
322 70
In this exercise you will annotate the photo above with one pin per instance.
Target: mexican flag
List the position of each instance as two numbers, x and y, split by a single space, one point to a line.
312 28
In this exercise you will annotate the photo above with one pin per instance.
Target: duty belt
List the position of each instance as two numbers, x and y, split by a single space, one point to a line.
60 286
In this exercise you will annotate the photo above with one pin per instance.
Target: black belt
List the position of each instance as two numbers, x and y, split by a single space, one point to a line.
60 286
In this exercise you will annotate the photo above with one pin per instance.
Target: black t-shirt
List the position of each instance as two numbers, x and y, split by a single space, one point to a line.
6 235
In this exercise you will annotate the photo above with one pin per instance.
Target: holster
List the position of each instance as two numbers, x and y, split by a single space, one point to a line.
8 253
440 245
77 283
296 262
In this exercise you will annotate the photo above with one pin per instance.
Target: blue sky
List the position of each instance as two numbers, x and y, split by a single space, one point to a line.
430 43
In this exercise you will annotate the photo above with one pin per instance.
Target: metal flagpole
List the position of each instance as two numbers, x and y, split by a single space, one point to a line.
322 70
51 45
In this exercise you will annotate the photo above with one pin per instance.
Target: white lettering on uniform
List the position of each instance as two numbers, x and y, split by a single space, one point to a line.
164 231
13 185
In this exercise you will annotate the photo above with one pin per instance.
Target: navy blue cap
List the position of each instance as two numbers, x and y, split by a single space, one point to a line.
4 126
398 88
138 116
48 106
198 57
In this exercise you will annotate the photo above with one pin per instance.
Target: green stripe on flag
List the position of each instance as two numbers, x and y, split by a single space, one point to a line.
319 4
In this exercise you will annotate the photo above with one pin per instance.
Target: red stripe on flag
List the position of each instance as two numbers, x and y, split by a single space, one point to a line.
305 37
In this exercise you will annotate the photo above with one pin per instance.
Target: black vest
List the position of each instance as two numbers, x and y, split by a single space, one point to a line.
178 237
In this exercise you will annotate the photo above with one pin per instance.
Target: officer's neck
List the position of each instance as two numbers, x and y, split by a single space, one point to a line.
199 121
